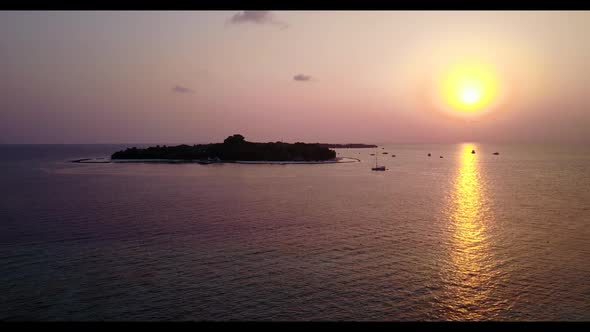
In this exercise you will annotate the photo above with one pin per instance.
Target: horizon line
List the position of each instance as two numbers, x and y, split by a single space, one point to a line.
368 143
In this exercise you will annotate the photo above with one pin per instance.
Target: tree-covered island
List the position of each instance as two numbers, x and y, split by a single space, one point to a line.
233 148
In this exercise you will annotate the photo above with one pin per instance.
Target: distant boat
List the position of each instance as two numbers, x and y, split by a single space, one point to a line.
429 154
377 168
496 153
472 151
393 155
209 160
372 154
440 156
385 152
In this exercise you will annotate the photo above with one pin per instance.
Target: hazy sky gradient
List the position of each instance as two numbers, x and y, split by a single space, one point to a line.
196 77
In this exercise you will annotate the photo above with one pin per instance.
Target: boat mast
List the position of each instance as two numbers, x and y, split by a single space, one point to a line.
375 157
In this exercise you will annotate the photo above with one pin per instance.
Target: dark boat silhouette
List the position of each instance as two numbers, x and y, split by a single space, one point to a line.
377 168
496 153
393 155
472 151
440 156
429 154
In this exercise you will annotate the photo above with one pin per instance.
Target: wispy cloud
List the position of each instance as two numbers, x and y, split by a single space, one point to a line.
302 78
258 17
181 89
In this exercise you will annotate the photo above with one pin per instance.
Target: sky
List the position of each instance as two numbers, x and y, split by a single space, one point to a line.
312 76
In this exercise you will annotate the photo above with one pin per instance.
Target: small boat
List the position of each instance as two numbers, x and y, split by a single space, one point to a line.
429 154
440 156
385 152
209 160
496 153
377 168
472 151
393 155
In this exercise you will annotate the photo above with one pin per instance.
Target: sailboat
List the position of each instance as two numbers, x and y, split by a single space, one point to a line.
377 168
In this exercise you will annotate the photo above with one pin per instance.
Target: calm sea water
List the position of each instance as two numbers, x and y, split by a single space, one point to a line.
464 237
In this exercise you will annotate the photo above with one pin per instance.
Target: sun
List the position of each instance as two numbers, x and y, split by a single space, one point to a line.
468 87
470 95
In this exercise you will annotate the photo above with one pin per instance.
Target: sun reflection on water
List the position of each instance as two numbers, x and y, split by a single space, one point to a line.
468 276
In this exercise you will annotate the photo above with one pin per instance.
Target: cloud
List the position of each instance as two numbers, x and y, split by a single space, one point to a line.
258 17
181 89
302 78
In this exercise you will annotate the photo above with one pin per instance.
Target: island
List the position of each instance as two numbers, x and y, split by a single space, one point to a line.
233 149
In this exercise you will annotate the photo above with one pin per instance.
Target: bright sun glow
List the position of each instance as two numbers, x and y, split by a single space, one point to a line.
470 95
469 87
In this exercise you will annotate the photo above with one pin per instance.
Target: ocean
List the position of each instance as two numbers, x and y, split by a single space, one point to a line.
463 237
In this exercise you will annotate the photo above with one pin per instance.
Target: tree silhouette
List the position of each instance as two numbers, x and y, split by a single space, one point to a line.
234 139
233 148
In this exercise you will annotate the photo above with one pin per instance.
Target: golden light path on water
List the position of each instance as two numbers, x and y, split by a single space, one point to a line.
470 275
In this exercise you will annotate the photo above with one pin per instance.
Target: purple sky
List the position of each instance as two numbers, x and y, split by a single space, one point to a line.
195 77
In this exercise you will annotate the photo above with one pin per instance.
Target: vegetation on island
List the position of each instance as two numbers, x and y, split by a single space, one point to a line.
233 148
